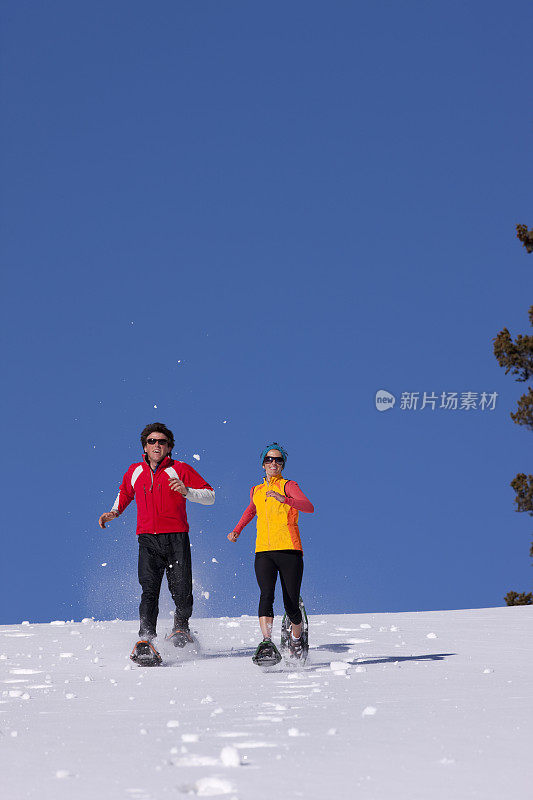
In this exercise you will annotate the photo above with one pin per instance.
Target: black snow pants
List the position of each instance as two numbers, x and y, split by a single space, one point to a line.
159 552
290 565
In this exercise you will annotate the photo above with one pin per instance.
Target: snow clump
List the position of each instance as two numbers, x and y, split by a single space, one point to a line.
208 787
230 756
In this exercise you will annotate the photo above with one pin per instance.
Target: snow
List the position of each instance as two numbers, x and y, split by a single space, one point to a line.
397 715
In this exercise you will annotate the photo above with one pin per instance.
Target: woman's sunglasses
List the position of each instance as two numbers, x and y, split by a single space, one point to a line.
270 459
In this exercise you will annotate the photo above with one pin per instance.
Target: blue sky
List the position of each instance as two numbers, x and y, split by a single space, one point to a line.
243 220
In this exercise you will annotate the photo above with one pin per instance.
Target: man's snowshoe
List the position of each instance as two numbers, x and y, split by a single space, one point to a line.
180 637
145 654
295 651
266 654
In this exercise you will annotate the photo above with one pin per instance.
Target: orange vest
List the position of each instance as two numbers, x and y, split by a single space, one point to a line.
277 523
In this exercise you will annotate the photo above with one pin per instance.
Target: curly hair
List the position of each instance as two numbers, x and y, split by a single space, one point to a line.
157 427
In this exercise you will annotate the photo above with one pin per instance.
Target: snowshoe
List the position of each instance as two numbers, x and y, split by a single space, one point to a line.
180 637
145 654
295 651
266 654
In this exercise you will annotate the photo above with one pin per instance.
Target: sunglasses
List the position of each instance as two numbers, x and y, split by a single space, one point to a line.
270 459
157 441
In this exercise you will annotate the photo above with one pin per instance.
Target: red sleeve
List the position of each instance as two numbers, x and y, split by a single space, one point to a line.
125 493
189 476
249 514
296 498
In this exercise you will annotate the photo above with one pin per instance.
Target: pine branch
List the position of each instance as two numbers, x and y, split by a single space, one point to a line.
524 414
517 356
525 236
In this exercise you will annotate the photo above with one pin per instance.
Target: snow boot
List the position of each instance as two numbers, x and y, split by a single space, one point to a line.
180 637
295 650
296 647
145 654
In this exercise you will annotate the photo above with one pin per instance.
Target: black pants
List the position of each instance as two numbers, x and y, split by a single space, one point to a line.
159 552
290 565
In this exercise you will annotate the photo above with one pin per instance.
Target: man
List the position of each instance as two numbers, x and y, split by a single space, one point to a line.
160 486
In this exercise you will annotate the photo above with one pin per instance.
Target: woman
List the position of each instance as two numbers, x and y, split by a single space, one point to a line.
276 502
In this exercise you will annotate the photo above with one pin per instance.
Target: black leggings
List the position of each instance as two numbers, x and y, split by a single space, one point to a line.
290 565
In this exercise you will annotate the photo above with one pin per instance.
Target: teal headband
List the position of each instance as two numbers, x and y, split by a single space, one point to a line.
275 446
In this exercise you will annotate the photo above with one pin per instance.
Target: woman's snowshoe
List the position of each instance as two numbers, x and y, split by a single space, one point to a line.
266 654
295 651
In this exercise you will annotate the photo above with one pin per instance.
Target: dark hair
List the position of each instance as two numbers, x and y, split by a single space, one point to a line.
157 427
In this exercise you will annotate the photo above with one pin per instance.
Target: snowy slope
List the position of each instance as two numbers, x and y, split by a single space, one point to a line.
399 706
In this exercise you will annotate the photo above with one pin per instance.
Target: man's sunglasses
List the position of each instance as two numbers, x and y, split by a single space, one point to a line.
157 441
270 459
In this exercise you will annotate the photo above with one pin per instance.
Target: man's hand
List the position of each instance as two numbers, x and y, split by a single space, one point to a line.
276 495
177 486
107 517
233 536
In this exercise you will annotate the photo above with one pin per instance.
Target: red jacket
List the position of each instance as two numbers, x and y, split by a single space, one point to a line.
159 509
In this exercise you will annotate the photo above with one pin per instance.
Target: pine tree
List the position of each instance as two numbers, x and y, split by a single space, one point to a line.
517 358
525 236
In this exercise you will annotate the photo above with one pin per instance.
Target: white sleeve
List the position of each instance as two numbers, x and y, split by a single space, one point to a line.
204 496
115 506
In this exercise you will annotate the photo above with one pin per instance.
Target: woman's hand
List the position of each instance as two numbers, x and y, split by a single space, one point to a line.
177 486
233 536
276 495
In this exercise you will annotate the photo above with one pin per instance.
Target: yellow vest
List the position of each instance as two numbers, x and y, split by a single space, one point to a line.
277 523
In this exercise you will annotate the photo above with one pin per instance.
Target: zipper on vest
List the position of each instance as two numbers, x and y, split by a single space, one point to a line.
267 518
